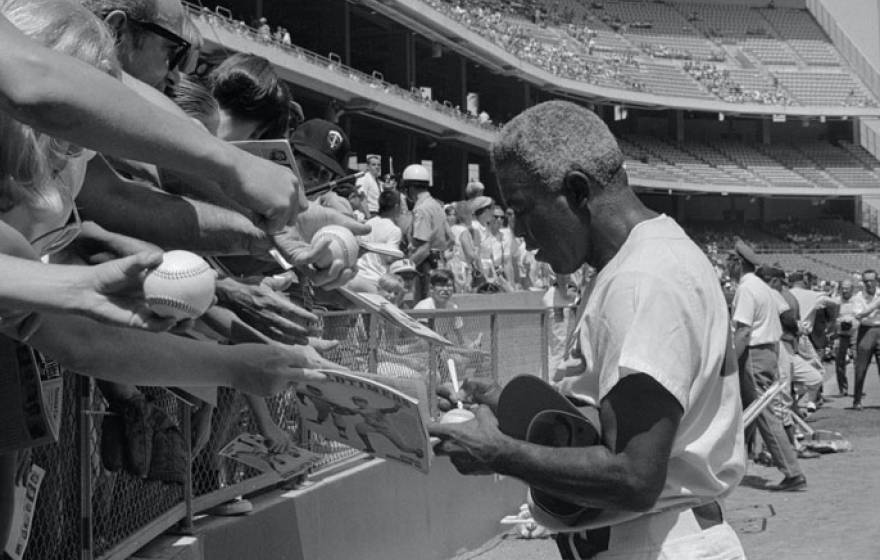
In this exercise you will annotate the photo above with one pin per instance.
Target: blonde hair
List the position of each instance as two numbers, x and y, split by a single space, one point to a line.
391 282
25 154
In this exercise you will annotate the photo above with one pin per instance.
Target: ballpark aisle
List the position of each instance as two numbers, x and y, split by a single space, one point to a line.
835 518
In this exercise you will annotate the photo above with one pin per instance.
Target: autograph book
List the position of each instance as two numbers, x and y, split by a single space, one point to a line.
251 450
366 412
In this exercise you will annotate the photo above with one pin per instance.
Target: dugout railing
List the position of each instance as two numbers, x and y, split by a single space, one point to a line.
85 511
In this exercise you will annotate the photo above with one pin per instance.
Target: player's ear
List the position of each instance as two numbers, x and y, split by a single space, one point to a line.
578 188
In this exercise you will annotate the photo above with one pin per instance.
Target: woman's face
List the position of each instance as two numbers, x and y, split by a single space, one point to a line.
450 216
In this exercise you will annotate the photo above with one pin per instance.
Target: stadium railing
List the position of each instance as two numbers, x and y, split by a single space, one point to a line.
85 511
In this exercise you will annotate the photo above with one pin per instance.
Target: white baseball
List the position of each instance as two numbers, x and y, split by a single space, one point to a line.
457 415
343 246
181 287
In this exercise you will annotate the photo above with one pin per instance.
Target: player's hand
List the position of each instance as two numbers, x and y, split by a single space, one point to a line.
473 391
112 292
472 446
266 310
269 189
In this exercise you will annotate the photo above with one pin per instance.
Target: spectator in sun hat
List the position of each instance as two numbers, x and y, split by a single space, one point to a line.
478 207
474 189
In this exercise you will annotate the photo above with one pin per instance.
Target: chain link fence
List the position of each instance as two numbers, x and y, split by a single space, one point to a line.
120 476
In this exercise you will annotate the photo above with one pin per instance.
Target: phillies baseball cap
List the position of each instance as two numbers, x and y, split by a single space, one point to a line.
323 142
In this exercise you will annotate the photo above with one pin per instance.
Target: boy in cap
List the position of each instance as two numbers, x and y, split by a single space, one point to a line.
406 271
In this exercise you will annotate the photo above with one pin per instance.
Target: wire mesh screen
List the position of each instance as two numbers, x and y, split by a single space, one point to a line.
521 347
128 495
134 460
55 532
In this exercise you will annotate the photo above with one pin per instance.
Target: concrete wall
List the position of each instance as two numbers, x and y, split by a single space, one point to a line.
859 19
375 511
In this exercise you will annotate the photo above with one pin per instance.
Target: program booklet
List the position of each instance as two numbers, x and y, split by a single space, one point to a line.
278 151
25 497
251 450
367 412
394 314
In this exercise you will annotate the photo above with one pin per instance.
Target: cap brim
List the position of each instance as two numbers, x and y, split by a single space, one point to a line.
320 157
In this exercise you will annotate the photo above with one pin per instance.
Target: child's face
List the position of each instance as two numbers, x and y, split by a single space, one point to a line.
394 294
441 292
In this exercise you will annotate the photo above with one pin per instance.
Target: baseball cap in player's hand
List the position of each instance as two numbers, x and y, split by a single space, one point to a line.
323 142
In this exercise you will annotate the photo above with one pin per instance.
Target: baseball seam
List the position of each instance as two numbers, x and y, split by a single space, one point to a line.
173 303
179 274
350 254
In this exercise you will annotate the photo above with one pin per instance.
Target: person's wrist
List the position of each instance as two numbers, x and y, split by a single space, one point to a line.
76 294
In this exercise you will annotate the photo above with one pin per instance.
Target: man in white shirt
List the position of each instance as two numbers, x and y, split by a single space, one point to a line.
815 307
868 338
757 332
653 353
845 327
383 231
368 185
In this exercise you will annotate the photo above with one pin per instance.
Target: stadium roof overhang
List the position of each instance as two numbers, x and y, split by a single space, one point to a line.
435 26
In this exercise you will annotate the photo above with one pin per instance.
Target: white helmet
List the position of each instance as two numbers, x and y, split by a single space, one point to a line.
416 175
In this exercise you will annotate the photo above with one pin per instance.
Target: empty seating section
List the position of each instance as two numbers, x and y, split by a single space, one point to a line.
664 79
725 23
782 53
769 51
730 163
804 35
824 88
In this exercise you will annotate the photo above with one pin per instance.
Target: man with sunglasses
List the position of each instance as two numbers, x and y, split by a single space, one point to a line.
148 37
653 353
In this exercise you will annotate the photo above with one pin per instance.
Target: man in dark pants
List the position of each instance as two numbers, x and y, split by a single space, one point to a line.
868 339
428 234
757 334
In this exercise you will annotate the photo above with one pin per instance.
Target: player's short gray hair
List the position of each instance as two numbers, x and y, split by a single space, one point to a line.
551 139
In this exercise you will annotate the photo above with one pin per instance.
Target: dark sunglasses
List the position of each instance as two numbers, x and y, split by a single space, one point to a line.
182 46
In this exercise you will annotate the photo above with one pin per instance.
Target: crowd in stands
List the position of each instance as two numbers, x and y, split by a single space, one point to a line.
718 82
824 234
511 26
